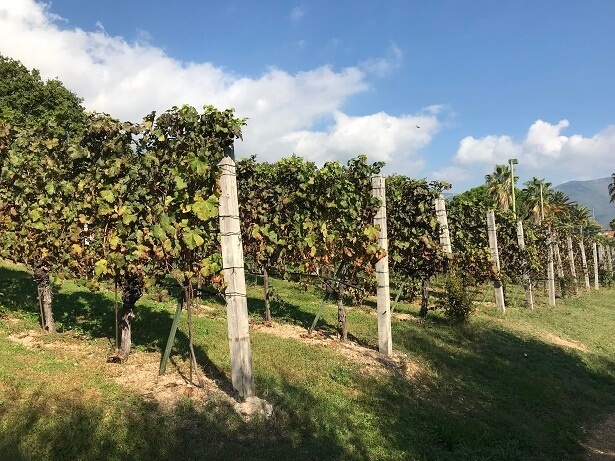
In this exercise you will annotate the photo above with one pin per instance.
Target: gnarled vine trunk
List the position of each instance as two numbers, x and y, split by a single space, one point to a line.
341 316
45 295
132 289
424 297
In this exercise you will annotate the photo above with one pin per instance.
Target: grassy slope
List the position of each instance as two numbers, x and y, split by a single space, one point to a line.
499 388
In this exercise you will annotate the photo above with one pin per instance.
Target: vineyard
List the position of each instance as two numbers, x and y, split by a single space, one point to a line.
161 206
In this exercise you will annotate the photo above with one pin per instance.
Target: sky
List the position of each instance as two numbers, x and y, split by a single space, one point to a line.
442 89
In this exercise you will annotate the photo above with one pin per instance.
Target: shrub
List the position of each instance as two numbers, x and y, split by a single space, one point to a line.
456 300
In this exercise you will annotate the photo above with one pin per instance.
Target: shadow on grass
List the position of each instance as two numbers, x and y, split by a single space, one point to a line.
496 397
53 427
488 394
287 312
93 313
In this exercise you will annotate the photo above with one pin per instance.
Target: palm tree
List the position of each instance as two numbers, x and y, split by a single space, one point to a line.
536 195
558 207
500 187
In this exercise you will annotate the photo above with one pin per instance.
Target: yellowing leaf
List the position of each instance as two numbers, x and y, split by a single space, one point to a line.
114 241
107 195
100 267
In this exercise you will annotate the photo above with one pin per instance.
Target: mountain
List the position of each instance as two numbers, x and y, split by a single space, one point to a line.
594 194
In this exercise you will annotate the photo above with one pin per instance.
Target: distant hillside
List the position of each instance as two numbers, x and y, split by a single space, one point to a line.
594 194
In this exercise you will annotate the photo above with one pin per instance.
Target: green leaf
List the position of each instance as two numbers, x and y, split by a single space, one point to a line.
192 239
107 195
114 241
128 218
180 184
206 209
158 232
100 267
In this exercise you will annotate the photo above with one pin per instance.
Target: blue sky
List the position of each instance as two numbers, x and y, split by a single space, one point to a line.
484 81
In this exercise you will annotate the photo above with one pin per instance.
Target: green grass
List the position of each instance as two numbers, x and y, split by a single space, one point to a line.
502 387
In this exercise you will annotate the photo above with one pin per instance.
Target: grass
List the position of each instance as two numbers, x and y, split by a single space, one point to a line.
525 385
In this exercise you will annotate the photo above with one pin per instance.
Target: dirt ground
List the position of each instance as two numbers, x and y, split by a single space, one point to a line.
140 374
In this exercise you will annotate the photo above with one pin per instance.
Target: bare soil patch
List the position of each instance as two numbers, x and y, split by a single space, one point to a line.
372 362
139 373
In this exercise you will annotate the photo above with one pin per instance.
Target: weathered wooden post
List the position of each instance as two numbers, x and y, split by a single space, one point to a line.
584 262
385 342
493 245
527 283
573 269
558 258
550 270
445 237
596 279
234 276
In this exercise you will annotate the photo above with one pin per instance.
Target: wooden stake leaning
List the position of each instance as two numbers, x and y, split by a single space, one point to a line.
171 339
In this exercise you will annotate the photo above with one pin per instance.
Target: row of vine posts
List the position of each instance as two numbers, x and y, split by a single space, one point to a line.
133 230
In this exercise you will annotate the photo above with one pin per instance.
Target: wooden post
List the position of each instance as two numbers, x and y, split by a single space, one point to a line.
601 260
584 263
550 270
445 237
558 258
558 265
573 269
385 342
493 245
596 279
234 276
527 283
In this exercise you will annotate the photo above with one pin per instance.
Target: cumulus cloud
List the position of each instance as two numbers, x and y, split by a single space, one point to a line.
381 136
545 151
130 79
384 65
297 13
450 174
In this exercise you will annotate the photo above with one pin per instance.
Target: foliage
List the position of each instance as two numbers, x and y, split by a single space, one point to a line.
499 187
413 230
468 231
26 101
456 300
152 192
327 405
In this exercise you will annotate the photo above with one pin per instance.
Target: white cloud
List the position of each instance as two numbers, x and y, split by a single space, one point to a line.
490 149
384 65
380 136
545 151
128 80
450 174
297 13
